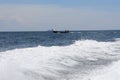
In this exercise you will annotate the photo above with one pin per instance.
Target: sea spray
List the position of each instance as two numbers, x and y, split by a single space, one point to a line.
72 62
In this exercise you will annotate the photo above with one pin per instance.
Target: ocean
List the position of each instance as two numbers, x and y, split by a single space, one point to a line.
43 55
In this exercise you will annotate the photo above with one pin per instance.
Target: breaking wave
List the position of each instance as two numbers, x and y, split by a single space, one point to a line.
73 62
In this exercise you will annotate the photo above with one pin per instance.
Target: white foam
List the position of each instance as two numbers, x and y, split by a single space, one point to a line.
117 39
42 63
111 72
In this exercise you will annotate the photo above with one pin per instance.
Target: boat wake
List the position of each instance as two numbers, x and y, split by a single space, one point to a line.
73 62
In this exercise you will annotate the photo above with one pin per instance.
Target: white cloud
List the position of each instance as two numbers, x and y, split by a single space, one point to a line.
44 17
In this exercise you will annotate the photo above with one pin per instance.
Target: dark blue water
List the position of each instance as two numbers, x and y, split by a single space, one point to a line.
12 40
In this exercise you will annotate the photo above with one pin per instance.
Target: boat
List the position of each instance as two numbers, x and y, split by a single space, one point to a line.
66 31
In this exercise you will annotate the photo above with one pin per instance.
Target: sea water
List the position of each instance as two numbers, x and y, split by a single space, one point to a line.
78 55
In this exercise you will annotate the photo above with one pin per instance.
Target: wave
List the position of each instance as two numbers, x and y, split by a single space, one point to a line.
108 73
71 62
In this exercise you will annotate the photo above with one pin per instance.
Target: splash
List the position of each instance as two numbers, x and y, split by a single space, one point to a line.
71 62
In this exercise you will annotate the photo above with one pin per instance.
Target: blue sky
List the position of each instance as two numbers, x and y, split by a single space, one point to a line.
95 3
59 14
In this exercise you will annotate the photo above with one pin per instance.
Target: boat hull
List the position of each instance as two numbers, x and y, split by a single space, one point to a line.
60 31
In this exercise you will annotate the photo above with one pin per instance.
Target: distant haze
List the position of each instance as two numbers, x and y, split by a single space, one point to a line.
39 17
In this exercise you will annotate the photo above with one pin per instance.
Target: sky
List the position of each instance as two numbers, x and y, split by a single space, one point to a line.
42 15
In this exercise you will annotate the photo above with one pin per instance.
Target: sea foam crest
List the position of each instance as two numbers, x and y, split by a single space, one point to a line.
57 62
